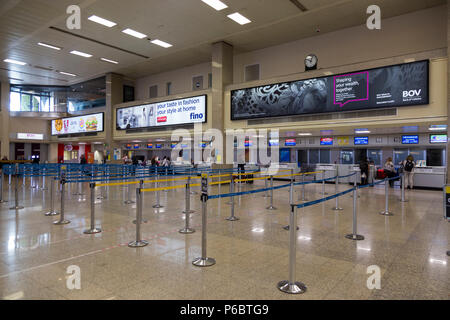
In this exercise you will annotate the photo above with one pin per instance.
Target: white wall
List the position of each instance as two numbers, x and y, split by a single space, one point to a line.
181 80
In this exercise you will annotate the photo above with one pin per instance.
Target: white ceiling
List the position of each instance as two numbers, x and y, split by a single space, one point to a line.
190 25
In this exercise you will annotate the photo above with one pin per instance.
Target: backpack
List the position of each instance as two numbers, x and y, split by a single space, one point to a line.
409 165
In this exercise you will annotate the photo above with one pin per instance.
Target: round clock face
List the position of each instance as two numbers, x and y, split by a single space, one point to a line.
311 60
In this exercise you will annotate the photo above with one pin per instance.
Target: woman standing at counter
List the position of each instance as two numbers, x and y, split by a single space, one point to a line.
408 166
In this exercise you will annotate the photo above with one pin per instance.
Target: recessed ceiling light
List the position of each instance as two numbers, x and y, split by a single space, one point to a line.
305 134
362 131
81 54
239 18
108 60
134 33
68 74
20 63
102 21
216 4
161 43
442 127
49 46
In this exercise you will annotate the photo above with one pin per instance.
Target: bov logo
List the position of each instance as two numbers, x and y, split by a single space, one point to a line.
412 93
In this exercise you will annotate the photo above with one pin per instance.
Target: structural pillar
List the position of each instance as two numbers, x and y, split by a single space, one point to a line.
448 89
114 95
4 120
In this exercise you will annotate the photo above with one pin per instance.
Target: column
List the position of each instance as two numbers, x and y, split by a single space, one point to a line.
222 75
4 124
448 88
114 95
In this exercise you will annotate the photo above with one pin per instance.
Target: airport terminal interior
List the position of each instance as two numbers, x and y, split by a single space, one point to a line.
224 150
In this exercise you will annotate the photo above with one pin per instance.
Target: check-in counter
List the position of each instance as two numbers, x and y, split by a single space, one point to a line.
343 170
283 168
429 177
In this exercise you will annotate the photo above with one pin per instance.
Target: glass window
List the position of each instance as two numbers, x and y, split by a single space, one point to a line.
25 102
418 154
375 155
325 155
14 101
169 88
347 157
400 155
313 156
35 103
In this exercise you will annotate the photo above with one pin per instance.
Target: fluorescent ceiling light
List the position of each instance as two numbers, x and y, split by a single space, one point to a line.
48 46
161 43
20 63
134 33
305 134
68 74
102 21
239 18
81 54
216 4
110 61
438 127
359 132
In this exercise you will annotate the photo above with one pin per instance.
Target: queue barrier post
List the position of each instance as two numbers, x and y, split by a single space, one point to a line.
2 177
93 229
355 235
386 211
138 242
158 194
303 189
271 207
16 191
129 201
61 220
323 184
52 211
232 217
266 194
9 179
44 185
291 286
336 189
291 195
204 260
403 199
166 190
187 197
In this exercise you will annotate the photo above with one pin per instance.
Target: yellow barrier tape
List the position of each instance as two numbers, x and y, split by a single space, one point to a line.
116 184
163 188
220 182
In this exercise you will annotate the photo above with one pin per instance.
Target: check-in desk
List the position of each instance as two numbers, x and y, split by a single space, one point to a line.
429 177
343 170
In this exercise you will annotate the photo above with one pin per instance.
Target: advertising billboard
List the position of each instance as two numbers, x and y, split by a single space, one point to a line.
391 86
326 141
165 113
79 124
290 142
438 138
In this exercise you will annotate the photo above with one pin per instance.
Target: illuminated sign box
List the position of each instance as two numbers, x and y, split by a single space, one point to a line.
248 143
361 141
326 141
290 142
128 146
438 138
136 146
165 113
414 139
274 143
80 124
149 145
158 146
30 136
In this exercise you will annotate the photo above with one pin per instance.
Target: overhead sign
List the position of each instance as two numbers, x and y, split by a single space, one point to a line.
392 86
174 112
412 139
343 141
79 124
30 136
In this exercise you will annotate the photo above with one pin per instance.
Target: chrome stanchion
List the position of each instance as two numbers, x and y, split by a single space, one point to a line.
204 261
52 211
291 286
102 189
9 179
16 192
323 184
2 177
271 207
291 197
187 196
266 194
303 188
129 201
232 217
93 229
158 194
44 185
355 235
63 186
403 199
139 242
386 211
336 188
166 190
187 229
231 188
141 186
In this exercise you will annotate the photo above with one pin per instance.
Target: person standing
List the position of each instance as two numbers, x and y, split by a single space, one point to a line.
364 167
389 170
408 170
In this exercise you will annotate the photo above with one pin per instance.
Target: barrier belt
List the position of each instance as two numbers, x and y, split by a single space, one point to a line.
226 195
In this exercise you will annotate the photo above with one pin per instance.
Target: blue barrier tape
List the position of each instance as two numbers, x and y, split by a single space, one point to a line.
311 203
234 194
349 175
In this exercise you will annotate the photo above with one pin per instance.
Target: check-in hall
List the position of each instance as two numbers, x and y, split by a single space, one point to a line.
224 150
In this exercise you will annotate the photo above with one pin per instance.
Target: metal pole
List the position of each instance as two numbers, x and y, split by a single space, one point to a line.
44 186
139 242
336 188
2 177
52 211
303 188
403 199
187 229
63 185
323 184
291 198
291 286
16 191
271 207
232 217
265 195
204 261
187 196
386 211
157 205
355 235
93 229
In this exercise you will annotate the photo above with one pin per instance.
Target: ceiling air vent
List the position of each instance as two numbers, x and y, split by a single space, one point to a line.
44 68
298 4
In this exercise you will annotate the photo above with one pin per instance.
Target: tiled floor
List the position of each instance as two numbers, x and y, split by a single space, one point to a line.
251 253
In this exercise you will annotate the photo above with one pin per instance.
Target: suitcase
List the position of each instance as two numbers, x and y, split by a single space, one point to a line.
381 174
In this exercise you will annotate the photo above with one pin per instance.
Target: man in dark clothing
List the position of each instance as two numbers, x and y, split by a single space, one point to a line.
364 167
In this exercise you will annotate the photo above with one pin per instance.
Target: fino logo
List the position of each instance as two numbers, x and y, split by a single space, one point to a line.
196 116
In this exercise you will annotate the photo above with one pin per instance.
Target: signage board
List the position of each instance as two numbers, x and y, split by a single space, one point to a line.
80 124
